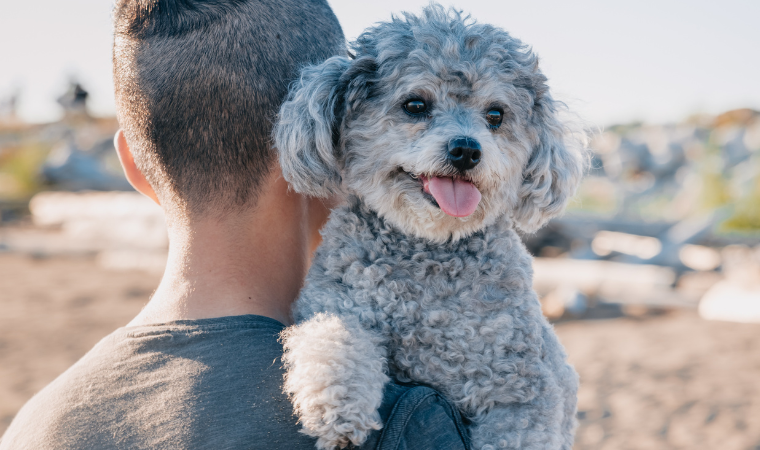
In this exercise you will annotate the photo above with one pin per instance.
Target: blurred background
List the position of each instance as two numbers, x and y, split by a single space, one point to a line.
652 277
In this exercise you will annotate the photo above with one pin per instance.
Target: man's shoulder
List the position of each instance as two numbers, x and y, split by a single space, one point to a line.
208 384
418 417
213 383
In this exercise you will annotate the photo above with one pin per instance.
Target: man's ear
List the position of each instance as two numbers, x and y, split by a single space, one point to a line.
133 174
554 170
307 132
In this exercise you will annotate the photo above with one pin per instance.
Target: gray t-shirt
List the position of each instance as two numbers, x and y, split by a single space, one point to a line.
199 384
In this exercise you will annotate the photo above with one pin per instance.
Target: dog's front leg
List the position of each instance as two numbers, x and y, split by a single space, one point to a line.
335 375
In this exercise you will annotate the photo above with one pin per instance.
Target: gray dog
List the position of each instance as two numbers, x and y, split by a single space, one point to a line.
444 137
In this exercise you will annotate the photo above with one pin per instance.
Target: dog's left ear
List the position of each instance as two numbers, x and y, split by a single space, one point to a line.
554 169
309 124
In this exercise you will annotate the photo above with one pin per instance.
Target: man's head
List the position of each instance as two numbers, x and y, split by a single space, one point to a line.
198 83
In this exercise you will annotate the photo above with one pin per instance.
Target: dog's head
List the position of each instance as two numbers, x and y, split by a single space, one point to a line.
439 124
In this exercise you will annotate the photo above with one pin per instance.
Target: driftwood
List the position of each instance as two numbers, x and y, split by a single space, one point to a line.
574 287
613 282
124 230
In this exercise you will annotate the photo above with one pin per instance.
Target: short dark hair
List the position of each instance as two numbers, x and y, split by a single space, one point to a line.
198 84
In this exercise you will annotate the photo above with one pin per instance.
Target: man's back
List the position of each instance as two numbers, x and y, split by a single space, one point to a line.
202 384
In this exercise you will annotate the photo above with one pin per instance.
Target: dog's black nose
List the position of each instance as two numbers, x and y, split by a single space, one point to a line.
464 153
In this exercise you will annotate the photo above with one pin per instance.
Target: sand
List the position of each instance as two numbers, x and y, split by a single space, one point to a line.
668 382
671 381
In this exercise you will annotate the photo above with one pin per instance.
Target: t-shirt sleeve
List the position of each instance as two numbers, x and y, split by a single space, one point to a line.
419 419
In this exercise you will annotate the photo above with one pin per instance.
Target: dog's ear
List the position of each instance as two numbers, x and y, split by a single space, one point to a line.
554 169
308 129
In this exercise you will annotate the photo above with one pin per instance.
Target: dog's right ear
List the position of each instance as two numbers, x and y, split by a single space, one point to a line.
307 132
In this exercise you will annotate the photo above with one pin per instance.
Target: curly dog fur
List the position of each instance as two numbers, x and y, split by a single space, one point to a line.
400 287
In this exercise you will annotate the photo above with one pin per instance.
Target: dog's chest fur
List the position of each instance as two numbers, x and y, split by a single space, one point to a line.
461 317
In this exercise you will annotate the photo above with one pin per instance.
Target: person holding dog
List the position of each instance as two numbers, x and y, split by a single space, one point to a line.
197 84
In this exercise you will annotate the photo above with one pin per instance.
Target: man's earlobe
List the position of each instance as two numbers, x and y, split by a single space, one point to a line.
133 174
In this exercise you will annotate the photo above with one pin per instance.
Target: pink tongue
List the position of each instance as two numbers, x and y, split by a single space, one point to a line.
456 197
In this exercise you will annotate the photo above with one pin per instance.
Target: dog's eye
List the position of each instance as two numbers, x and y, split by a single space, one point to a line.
415 106
494 118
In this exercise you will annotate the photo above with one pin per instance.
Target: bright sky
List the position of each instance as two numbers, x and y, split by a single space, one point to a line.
612 61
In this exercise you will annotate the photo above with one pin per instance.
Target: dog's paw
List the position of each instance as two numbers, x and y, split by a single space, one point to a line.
335 377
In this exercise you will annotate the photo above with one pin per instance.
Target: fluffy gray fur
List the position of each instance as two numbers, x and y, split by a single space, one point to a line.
399 287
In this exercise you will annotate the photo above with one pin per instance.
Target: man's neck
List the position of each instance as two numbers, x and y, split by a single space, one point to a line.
252 262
